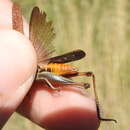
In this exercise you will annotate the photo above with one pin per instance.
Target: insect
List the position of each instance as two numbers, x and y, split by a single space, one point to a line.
52 69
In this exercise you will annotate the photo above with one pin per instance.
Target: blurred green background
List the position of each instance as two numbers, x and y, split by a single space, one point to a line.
102 29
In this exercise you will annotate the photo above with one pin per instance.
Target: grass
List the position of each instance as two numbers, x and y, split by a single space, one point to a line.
102 29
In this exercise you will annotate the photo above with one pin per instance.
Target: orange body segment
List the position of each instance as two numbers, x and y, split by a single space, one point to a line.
60 69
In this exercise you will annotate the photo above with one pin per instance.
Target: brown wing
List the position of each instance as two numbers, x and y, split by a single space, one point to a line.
41 33
68 57
17 21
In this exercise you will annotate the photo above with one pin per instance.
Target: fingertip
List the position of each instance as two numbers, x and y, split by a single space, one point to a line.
18 63
66 109
17 68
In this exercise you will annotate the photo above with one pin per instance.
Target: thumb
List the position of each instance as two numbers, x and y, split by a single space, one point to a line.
17 71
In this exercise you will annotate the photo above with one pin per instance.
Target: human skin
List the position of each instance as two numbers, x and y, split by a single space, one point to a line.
68 109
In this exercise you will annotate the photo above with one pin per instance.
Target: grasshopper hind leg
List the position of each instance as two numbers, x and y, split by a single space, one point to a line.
102 118
50 78
91 74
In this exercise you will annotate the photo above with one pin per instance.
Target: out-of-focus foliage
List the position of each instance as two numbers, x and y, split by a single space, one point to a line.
102 29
